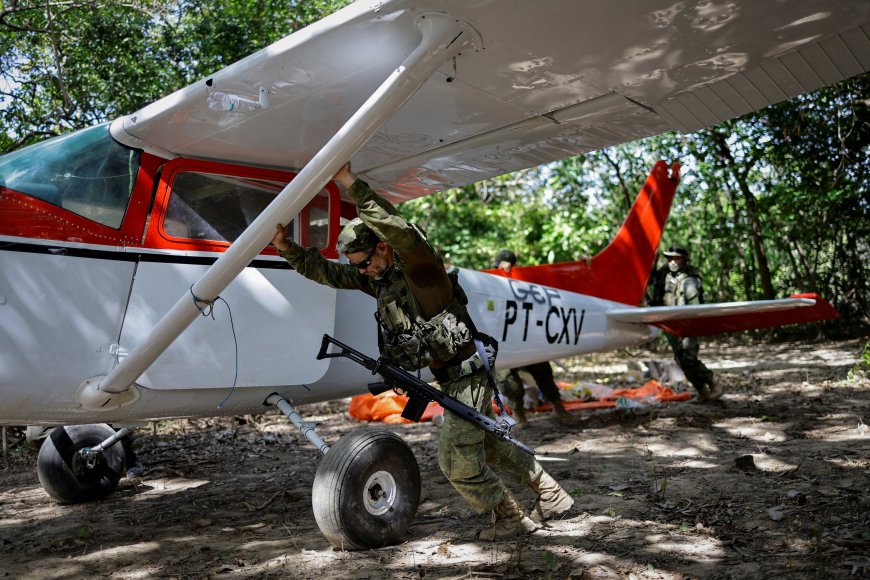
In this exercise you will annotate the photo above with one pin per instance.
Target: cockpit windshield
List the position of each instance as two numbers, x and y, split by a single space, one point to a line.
86 172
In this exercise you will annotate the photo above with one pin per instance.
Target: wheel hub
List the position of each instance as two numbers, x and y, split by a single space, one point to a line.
88 466
379 493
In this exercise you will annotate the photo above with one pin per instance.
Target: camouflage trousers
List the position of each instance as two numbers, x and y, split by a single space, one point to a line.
686 354
469 456
510 383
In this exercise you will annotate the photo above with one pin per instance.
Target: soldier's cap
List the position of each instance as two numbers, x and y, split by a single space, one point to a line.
504 256
675 251
356 237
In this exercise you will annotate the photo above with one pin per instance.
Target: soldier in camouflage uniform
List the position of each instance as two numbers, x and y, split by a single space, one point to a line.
675 284
423 321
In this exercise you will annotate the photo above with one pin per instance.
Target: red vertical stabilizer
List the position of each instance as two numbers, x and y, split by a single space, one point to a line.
620 271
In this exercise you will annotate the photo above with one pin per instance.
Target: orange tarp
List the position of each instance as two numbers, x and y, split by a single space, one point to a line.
387 407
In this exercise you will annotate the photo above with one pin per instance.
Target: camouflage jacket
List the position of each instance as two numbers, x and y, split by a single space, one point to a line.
416 299
677 288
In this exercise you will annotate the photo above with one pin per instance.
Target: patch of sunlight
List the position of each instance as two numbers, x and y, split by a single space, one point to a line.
701 446
186 539
756 429
569 527
691 548
600 519
857 431
279 544
45 509
767 463
60 569
170 487
612 369
725 364
120 552
24 493
132 574
699 464
548 459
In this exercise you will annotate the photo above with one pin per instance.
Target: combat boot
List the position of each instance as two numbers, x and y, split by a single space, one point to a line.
563 417
703 395
553 500
715 389
509 522
519 414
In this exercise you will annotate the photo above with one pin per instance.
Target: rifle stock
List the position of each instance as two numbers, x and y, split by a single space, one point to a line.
419 392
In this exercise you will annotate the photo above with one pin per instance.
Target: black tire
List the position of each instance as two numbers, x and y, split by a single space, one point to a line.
366 490
62 472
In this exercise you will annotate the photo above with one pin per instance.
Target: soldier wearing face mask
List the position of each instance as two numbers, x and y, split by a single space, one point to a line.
678 283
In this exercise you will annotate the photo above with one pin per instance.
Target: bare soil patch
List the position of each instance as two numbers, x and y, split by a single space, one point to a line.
662 492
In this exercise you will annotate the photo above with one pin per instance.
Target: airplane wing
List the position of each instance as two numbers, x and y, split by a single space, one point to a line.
544 81
707 319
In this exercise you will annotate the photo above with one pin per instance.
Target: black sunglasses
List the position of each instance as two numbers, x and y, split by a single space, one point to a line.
363 264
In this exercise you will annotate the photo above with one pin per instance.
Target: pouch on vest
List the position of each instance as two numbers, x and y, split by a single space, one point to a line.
408 351
444 335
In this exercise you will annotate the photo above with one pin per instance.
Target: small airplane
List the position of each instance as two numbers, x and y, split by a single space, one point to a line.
137 281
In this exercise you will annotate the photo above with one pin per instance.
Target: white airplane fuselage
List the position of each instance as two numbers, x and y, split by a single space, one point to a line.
72 310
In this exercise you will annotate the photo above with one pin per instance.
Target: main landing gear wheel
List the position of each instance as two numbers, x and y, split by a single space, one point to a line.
69 477
366 490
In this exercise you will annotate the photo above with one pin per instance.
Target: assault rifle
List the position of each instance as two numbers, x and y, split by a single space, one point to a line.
419 392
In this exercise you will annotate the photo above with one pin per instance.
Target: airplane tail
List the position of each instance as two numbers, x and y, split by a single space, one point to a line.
621 270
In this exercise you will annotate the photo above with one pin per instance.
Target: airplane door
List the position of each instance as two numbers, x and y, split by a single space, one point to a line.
270 315
278 319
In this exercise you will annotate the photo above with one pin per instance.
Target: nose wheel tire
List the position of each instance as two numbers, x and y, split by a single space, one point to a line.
366 490
70 478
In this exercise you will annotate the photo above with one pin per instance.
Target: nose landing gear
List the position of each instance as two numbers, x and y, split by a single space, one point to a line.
80 463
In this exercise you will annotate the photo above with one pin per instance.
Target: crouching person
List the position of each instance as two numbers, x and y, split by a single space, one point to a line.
423 321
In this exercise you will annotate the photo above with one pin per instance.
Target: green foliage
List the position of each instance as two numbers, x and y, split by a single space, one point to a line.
862 368
522 211
65 65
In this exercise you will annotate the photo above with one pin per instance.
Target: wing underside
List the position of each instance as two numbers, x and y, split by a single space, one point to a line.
708 319
547 80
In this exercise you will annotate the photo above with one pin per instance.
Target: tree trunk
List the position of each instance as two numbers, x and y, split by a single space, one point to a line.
622 185
724 153
810 273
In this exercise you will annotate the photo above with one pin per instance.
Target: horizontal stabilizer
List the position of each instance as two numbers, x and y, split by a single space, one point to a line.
723 317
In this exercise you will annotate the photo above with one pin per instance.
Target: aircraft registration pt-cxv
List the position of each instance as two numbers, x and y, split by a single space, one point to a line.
115 239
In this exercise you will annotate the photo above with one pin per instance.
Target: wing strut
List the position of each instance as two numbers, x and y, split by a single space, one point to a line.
442 38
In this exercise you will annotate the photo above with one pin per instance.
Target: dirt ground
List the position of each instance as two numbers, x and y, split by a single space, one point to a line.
659 493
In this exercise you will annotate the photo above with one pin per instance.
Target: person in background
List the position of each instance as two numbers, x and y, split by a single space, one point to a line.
677 283
423 321
510 382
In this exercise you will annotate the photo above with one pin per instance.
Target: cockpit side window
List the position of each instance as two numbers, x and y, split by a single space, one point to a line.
219 207
86 172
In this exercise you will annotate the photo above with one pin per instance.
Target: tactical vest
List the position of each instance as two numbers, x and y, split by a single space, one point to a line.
682 288
407 337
